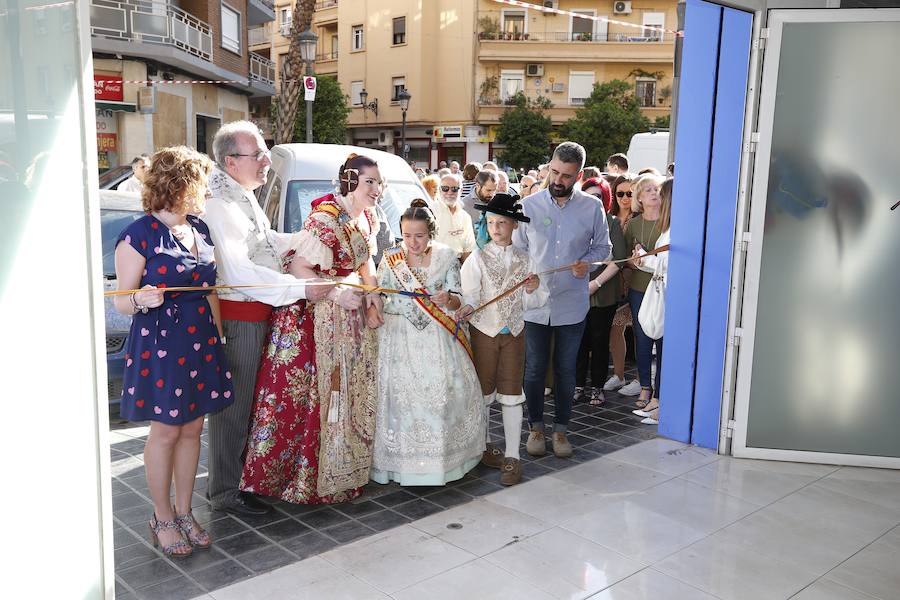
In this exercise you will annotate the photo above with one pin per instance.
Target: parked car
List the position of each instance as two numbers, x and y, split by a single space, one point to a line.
117 211
303 172
110 180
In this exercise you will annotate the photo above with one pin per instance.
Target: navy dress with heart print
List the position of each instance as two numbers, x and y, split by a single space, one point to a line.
175 368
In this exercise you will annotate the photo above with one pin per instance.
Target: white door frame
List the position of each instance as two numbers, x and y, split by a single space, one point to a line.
759 193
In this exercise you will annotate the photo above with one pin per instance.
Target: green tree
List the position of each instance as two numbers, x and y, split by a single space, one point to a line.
525 131
606 122
330 112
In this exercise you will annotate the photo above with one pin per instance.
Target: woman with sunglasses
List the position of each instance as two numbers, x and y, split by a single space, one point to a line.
621 207
454 225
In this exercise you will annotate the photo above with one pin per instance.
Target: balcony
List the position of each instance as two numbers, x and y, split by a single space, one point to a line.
327 63
566 46
326 12
155 23
492 107
262 76
262 69
260 11
259 36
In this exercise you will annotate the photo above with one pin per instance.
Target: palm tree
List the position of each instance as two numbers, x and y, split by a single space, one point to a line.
288 97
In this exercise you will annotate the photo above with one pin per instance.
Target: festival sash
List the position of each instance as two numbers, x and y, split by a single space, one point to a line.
396 260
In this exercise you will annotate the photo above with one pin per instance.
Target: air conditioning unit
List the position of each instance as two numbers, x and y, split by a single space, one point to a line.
534 70
622 7
551 4
385 138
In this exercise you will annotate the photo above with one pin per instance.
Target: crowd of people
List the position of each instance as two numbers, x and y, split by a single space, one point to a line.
320 370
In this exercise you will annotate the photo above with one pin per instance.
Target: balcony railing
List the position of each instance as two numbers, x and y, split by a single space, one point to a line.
262 69
258 35
323 4
152 23
570 36
327 56
285 29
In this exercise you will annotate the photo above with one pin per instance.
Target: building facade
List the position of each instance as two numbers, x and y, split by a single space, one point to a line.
462 60
142 50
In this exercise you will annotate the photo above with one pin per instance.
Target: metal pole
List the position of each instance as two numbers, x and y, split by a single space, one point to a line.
309 108
403 139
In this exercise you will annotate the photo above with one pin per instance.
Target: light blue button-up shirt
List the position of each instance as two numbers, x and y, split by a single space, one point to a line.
559 236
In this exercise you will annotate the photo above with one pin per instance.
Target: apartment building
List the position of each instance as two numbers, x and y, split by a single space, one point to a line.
135 42
462 61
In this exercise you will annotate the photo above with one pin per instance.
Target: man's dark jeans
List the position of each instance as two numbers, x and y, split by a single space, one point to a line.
567 341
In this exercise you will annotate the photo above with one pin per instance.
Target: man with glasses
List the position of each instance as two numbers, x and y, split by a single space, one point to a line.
248 251
454 226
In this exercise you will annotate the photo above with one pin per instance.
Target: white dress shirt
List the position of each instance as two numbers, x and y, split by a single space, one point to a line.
248 250
132 184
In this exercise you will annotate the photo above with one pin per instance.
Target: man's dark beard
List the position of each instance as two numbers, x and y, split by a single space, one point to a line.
565 193
479 195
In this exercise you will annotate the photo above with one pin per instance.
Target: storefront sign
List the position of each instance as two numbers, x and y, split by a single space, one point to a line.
108 87
106 142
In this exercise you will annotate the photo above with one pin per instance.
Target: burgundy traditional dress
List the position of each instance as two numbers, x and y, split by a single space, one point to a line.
314 414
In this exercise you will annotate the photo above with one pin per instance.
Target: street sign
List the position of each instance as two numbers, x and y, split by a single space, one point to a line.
309 85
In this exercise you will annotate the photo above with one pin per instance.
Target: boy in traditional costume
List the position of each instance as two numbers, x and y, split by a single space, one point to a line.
496 330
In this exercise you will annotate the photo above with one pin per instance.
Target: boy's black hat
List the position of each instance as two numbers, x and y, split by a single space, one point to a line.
505 205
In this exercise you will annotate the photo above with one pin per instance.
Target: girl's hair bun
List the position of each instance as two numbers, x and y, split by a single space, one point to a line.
418 203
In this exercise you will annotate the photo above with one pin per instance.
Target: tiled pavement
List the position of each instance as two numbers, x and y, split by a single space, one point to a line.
248 546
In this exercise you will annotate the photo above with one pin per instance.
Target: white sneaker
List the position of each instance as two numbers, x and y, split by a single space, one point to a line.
547 391
641 413
613 383
631 389
649 421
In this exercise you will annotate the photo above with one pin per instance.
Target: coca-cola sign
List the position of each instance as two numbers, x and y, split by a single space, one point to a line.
108 87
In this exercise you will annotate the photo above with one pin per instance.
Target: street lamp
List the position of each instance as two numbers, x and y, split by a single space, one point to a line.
404 97
308 42
373 106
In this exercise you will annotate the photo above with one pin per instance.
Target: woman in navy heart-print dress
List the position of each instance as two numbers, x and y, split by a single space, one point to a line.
175 369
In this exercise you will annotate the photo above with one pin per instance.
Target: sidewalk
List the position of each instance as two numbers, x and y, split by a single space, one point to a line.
655 520
246 547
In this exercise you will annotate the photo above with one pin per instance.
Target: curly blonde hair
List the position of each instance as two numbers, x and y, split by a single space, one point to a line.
431 183
176 181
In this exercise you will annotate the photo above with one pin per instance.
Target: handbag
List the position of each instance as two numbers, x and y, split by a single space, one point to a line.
652 313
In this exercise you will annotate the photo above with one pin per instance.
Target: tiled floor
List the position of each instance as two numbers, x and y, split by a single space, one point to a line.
245 547
656 520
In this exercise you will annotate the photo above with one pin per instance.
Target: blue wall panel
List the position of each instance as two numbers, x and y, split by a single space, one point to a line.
734 57
696 103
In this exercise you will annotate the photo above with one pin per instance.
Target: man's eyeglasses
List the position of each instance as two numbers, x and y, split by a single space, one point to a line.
257 156
448 188
623 194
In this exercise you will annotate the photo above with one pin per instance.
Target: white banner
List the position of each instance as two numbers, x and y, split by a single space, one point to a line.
309 84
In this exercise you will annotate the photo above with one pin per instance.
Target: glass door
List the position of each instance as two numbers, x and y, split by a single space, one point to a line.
818 378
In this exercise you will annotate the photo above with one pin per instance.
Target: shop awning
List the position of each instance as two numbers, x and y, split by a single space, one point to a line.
116 106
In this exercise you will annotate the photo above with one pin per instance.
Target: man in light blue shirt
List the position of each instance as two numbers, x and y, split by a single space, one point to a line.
568 227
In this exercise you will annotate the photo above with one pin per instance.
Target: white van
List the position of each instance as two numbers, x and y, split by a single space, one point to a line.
301 173
649 150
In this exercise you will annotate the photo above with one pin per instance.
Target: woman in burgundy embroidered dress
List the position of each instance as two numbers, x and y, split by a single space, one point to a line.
314 413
